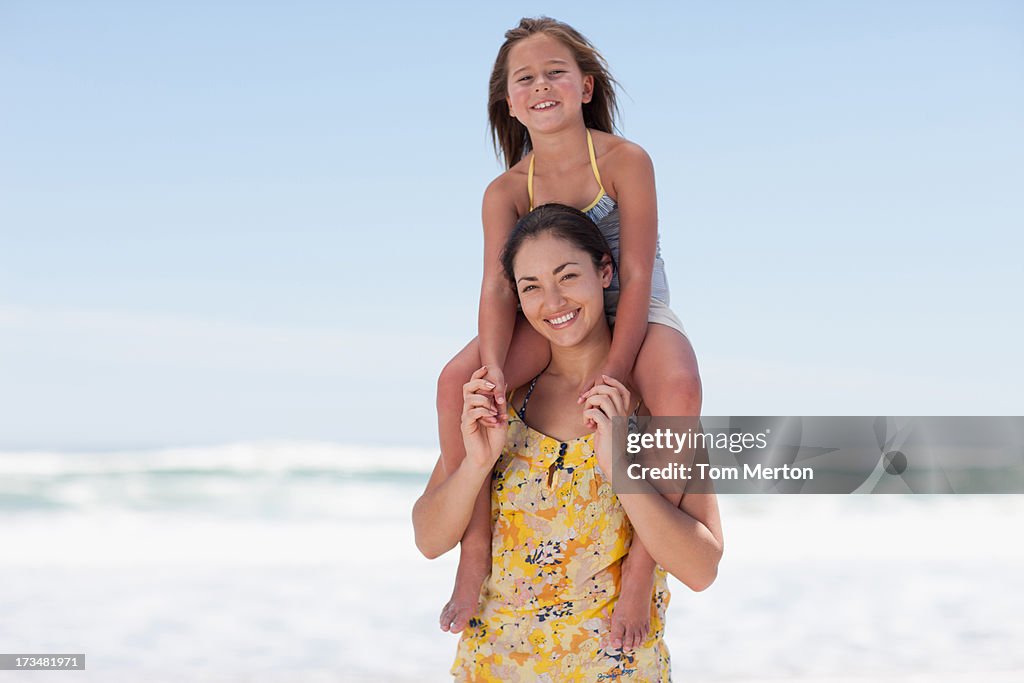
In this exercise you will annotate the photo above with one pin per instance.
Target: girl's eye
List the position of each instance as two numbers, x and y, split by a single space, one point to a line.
524 78
558 72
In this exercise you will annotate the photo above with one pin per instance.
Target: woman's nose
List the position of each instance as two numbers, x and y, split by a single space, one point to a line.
553 300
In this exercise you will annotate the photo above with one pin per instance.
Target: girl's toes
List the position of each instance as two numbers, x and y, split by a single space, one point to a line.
632 640
616 635
446 617
460 620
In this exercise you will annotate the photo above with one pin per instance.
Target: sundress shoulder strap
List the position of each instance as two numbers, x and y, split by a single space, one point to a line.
526 399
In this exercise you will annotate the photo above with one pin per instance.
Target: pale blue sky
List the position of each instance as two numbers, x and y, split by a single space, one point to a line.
262 222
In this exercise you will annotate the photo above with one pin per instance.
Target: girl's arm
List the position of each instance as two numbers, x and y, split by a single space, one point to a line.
638 212
497 317
442 514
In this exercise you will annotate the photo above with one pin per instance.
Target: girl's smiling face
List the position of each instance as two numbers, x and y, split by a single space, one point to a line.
545 85
560 289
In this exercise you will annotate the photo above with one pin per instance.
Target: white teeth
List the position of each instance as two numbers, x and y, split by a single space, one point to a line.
563 319
544 105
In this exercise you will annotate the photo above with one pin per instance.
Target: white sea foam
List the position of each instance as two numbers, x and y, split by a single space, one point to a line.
238 564
243 458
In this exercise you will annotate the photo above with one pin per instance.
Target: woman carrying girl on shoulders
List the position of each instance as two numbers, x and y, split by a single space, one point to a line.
551 109
561 537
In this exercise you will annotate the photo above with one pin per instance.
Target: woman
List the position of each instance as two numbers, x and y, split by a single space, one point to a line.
559 533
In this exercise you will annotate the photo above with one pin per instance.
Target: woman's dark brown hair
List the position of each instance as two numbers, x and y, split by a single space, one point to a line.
511 139
563 222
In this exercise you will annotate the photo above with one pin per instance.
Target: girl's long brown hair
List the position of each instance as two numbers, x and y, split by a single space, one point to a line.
511 139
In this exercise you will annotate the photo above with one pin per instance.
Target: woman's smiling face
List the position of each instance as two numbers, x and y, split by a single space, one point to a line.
560 289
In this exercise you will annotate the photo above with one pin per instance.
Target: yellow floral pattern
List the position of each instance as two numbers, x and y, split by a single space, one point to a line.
559 535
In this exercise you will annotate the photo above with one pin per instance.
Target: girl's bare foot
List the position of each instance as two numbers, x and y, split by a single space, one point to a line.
456 614
631 619
474 565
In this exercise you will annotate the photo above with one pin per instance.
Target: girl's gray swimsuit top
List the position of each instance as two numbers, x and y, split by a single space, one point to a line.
605 213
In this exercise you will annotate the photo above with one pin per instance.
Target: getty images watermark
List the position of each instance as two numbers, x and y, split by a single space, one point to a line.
819 455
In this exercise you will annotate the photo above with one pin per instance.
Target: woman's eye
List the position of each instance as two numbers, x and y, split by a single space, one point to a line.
527 288
568 275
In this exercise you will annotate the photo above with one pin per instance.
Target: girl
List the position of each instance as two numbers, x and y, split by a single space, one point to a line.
551 111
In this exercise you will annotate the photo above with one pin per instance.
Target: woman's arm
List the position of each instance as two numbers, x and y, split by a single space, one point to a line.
638 214
686 539
442 513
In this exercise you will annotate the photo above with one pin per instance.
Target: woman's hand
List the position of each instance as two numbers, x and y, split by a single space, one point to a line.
610 398
496 379
609 370
482 433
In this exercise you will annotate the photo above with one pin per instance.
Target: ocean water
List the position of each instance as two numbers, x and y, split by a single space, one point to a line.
295 562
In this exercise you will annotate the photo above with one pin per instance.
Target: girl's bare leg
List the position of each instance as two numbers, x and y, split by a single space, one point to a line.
667 378
528 355
474 553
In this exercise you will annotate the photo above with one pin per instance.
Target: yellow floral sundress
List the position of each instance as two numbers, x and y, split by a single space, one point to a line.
559 535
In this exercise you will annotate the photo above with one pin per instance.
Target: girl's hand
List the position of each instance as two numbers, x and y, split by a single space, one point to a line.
482 435
606 400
